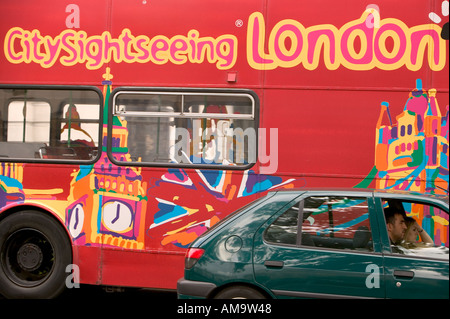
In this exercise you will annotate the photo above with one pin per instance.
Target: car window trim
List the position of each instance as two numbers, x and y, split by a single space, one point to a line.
301 206
414 257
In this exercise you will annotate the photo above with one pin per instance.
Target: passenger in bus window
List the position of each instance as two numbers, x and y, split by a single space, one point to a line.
71 128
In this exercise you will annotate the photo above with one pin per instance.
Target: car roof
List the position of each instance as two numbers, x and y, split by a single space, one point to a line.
382 192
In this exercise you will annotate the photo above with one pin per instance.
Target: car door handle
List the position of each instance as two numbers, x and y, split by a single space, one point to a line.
274 263
403 274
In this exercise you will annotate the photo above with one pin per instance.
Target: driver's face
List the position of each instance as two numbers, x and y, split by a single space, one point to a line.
398 229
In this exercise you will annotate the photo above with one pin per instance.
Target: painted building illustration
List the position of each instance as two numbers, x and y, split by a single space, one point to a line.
411 153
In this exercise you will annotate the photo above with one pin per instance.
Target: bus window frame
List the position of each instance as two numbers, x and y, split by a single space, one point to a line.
61 88
181 90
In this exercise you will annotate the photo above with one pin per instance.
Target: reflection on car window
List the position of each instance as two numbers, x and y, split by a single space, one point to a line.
284 229
417 229
337 223
328 222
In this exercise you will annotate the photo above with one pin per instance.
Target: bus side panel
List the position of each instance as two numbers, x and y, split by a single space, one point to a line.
324 66
336 123
141 269
174 216
88 261
199 24
56 20
321 131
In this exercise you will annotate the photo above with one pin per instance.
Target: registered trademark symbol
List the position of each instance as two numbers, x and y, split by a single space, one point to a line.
239 23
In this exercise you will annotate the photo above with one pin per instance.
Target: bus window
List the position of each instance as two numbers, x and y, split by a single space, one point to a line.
49 124
28 121
187 128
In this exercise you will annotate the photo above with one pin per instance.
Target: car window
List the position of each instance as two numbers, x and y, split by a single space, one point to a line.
284 229
416 228
327 222
337 222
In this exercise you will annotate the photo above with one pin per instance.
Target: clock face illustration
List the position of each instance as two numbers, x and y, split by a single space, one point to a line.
76 220
117 217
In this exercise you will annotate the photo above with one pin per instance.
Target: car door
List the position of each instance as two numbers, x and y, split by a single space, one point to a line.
325 246
413 268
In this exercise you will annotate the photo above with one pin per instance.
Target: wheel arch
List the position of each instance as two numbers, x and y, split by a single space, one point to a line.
19 208
256 287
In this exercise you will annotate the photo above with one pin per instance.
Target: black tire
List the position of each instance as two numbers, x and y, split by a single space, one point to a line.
239 292
34 253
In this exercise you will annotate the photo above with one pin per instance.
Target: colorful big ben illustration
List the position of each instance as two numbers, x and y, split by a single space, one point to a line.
108 205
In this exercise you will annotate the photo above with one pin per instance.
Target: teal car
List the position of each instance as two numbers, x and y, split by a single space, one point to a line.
324 244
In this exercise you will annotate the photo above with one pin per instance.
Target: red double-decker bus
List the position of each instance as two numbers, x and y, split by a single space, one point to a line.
128 128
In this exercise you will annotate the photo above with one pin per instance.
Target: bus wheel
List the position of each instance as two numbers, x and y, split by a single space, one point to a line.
34 253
